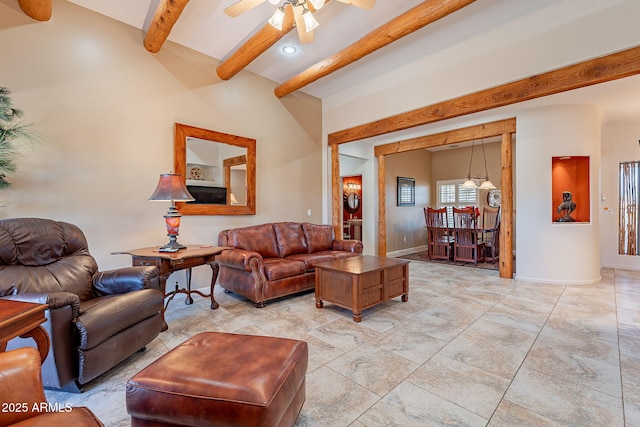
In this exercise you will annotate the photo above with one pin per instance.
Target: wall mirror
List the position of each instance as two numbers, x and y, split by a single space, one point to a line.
219 170
351 202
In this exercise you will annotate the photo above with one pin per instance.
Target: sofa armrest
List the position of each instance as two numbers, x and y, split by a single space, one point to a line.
127 279
239 259
348 245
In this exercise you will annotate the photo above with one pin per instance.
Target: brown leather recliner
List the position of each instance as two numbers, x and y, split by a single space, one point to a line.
95 319
23 399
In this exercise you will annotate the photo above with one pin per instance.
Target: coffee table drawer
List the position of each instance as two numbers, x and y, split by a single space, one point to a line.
371 279
372 296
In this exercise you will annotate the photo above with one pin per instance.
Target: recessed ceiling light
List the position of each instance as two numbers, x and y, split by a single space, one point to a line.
289 50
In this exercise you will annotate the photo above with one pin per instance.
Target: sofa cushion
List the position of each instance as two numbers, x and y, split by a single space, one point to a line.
310 260
319 237
291 239
280 268
257 238
337 254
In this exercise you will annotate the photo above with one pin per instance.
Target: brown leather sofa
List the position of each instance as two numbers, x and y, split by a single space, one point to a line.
23 399
95 319
277 259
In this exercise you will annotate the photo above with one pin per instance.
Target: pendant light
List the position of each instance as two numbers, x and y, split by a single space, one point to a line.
470 183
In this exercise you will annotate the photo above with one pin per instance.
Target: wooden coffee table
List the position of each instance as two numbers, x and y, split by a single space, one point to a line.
361 282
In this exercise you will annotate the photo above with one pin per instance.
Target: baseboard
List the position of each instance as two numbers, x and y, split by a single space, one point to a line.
403 252
557 282
622 267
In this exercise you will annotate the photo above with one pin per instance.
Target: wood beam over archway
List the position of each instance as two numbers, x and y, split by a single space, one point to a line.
166 16
599 70
484 130
503 128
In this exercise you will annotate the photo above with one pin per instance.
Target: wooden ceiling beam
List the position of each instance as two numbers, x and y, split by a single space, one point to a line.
407 23
599 70
257 44
40 10
485 130
166 16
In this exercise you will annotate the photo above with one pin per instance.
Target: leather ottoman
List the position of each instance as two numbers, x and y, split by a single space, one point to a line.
220 379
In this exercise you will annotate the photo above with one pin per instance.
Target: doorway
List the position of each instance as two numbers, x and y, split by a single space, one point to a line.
352 207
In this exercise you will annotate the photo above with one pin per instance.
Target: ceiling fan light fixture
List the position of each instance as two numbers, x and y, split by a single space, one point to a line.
317 4
277 19
310 22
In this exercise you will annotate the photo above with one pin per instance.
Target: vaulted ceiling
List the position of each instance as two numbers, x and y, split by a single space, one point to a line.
351 44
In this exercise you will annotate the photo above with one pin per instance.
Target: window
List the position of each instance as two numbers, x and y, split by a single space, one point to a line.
629 223
451 193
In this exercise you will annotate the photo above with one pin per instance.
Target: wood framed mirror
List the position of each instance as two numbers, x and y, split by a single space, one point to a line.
219 170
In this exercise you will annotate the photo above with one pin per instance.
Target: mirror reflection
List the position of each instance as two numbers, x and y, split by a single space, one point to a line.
219 171
352 203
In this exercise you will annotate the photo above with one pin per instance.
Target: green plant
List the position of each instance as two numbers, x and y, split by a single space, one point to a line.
14 135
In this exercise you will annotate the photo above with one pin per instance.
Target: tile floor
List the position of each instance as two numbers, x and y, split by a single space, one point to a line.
467 349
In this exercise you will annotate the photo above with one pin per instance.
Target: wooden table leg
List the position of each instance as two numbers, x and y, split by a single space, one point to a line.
215 269
163 287
41 338
188 300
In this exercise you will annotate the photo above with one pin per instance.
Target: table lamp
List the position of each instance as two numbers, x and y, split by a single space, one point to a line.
171 189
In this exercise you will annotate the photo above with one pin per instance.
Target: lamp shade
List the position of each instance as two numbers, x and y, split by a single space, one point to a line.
487 185
171 188
469 184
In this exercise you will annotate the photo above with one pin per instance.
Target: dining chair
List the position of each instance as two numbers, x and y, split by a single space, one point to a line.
438 233
491 233
467 245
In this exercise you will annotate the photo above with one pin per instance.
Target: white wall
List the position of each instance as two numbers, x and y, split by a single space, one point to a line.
619 144
508 48
553 252
105 108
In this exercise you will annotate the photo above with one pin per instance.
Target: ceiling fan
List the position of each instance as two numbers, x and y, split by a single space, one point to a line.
302 13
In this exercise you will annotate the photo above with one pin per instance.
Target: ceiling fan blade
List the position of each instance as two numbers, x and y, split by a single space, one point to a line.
365 4
242 6
303 35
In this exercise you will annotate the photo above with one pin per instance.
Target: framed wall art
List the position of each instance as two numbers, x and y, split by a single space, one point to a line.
406 191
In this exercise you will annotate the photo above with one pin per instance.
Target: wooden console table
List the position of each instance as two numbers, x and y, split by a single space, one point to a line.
184 259
24 320
361 282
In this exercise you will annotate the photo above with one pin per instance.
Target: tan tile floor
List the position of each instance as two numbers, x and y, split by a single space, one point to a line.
467 349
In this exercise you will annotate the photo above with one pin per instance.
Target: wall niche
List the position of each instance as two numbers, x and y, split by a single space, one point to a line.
570 198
